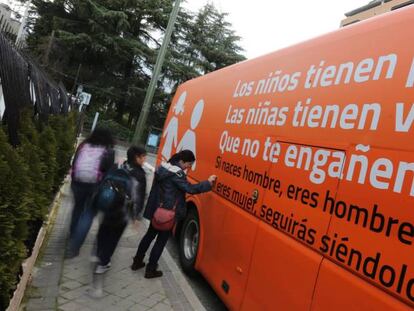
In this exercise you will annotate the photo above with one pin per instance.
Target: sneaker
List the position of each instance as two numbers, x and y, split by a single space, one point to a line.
137 264
151 274
100 269
95 292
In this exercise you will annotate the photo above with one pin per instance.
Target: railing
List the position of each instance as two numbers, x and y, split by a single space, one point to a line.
25 84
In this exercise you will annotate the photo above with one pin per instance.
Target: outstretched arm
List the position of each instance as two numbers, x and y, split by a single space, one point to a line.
182 184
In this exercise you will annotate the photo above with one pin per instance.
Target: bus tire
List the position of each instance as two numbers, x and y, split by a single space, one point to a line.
189 242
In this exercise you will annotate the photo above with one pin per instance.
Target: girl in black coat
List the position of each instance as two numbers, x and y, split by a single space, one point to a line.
171 180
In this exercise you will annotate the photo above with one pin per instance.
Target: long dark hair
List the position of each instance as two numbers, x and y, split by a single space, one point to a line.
134 151
184 155
101 137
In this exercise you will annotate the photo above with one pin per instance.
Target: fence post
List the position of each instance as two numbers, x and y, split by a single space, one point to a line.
95 120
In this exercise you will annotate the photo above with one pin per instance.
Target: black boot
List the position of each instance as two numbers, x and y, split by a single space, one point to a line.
137 264
151 273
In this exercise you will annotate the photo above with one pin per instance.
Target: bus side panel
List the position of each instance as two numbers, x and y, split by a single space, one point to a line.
374 48
285 267
211 208
211 215
338 289
236 246
227 216
212 211
282 275
372 232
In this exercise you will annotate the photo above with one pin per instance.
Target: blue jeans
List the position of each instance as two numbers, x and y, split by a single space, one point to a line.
82 215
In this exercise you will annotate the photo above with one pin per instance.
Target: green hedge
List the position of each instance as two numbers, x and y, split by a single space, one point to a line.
29 177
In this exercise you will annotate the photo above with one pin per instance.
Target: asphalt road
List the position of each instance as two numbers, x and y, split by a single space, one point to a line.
202 289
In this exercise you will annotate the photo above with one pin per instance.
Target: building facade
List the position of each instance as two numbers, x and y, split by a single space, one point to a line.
6 20
372 9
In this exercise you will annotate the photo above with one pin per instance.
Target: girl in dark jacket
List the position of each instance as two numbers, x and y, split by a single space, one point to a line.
170 186
112 226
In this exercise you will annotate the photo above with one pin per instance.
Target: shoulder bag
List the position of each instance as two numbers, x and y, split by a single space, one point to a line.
163 219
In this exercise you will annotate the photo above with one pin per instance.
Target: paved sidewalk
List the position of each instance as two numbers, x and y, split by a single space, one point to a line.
67 285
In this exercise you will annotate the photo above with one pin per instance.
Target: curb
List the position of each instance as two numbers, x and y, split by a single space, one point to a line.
29 263
182 282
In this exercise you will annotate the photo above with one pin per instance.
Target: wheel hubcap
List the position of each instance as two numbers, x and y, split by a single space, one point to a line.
191 236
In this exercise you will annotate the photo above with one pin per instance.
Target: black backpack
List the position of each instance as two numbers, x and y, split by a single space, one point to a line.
113 196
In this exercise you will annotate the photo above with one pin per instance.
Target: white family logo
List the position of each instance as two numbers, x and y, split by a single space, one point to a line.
188 141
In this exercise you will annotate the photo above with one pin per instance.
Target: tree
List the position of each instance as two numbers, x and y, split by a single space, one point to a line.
200 44
203 44
111 39
213 41
116 41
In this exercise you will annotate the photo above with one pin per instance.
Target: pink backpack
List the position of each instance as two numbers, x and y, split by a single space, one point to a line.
88 162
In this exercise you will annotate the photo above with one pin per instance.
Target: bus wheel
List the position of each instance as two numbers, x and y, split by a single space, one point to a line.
189 241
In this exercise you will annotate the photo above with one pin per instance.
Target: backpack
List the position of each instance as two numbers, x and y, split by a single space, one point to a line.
88 163
113 196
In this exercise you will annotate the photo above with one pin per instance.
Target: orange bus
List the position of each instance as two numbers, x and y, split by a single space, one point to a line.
313 147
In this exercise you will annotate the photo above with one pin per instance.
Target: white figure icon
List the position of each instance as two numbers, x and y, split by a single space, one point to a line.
189 139
171 131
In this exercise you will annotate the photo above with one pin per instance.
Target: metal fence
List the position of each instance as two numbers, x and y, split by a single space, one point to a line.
25 84
7 29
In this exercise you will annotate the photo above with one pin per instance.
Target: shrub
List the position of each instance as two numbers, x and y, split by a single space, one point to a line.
15 204
29 176
48 151
64 130
30 152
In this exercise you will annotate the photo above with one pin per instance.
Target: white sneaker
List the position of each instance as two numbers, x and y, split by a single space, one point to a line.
95 292
100 269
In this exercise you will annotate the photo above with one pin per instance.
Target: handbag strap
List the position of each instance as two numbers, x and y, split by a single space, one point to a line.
159 181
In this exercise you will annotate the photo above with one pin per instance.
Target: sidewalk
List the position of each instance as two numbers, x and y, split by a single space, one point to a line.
69 285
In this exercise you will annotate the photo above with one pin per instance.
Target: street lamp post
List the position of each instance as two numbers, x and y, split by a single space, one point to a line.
139 129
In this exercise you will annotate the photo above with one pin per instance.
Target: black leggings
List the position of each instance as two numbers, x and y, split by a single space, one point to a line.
156 251
107 240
